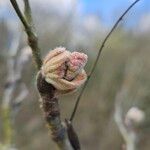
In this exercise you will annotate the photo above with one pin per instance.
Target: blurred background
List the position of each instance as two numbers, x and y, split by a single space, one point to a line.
124 65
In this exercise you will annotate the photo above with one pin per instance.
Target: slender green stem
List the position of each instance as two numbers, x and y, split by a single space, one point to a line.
27 11
30 30
20 15
97 58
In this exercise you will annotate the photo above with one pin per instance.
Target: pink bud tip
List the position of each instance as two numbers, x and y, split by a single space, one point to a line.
77 60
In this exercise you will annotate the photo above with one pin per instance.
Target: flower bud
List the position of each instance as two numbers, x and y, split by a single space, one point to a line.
64 70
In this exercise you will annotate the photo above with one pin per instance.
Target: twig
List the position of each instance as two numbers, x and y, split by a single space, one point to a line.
27 11
30 30
20 15
97 58
50 106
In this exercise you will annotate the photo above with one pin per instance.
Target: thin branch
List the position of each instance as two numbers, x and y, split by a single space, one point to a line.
27 11
30 30
97 58
19 13
51 110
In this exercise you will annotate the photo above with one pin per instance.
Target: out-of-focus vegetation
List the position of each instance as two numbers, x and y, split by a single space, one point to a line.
125 60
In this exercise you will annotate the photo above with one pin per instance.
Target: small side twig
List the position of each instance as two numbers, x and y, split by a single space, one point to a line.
27 11
26 20
97 58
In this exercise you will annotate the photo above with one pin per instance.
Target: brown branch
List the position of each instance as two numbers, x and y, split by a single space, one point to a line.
50 106
30 30
97 58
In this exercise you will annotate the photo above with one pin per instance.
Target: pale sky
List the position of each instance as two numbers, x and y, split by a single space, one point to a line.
106 10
